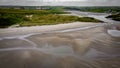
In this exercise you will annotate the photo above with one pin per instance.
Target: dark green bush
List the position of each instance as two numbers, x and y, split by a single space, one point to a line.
88 19
10 19
114 17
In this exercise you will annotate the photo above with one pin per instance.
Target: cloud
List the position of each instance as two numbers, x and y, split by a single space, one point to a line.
62 2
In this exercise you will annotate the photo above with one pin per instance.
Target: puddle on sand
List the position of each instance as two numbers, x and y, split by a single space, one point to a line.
114 33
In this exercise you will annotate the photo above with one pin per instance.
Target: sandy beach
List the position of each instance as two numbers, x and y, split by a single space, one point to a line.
73 45
42 29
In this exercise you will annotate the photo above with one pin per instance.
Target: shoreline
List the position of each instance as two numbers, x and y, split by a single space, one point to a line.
42 29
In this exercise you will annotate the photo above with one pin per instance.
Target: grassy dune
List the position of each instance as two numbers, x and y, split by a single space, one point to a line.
52 19
9 17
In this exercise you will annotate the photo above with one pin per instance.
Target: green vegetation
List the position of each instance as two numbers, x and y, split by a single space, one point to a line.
88 19
52 19
25 17
114 17
102 9
57 10
10 19
27 11
48 20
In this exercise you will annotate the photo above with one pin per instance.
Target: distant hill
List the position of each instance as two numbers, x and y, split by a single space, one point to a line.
99 9
25 7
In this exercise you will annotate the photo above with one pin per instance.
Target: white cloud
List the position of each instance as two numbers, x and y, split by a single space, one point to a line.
62 2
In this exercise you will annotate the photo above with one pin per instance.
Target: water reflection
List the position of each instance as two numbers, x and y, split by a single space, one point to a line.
90 48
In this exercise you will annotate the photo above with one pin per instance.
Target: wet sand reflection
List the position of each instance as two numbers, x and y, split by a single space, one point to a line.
91 48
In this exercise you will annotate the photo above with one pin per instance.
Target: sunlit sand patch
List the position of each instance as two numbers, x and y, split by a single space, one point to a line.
81 46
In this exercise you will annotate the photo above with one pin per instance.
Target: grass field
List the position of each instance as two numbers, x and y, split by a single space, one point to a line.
9 17
52 19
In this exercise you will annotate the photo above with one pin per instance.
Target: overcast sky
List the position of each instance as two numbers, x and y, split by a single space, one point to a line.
61 2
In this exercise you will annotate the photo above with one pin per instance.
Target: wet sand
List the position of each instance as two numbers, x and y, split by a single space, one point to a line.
84 47
9 32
